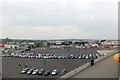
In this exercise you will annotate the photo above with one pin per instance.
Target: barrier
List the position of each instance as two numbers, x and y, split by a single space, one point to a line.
75 71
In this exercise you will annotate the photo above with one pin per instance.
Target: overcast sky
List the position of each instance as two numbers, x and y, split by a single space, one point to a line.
59 19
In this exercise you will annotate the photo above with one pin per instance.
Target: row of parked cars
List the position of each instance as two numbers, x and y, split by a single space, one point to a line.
35 71
54 56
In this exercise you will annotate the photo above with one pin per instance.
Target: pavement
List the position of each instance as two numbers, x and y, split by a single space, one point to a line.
106 68
10 68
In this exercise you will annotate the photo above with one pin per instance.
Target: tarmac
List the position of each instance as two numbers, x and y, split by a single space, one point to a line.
106 68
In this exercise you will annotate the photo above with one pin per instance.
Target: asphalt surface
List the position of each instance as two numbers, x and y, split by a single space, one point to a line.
65 51
11 69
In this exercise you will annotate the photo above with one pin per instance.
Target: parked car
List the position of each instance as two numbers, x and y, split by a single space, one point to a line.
63 57
35 71
30 71
24 71
69 57
63 72
90 56
86 56
41 72
80 56
47 72
76 56
83 56
97 55
72 56
59 57
54 72
66 57
94 56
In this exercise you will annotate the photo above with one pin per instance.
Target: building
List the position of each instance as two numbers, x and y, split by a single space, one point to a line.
2 45
111 43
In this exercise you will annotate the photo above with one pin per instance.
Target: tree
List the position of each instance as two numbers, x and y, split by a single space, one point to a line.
38 44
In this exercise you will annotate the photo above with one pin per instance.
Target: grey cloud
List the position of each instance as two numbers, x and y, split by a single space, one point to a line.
91 17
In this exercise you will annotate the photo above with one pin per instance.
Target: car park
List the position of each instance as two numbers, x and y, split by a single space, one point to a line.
64 57
54 72
40 55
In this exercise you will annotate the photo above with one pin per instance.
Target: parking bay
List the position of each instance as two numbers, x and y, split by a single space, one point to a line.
11 67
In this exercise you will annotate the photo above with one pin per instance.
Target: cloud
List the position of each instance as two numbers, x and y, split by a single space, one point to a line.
43 32
50 32
82 16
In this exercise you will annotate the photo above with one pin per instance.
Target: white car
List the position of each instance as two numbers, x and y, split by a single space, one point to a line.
24 71
80 57
78 47
35 72
12 54
54 72
86 57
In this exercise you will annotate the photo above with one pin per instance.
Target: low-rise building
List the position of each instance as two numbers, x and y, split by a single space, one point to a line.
111 43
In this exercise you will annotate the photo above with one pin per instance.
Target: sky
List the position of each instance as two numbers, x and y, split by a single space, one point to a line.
59 19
